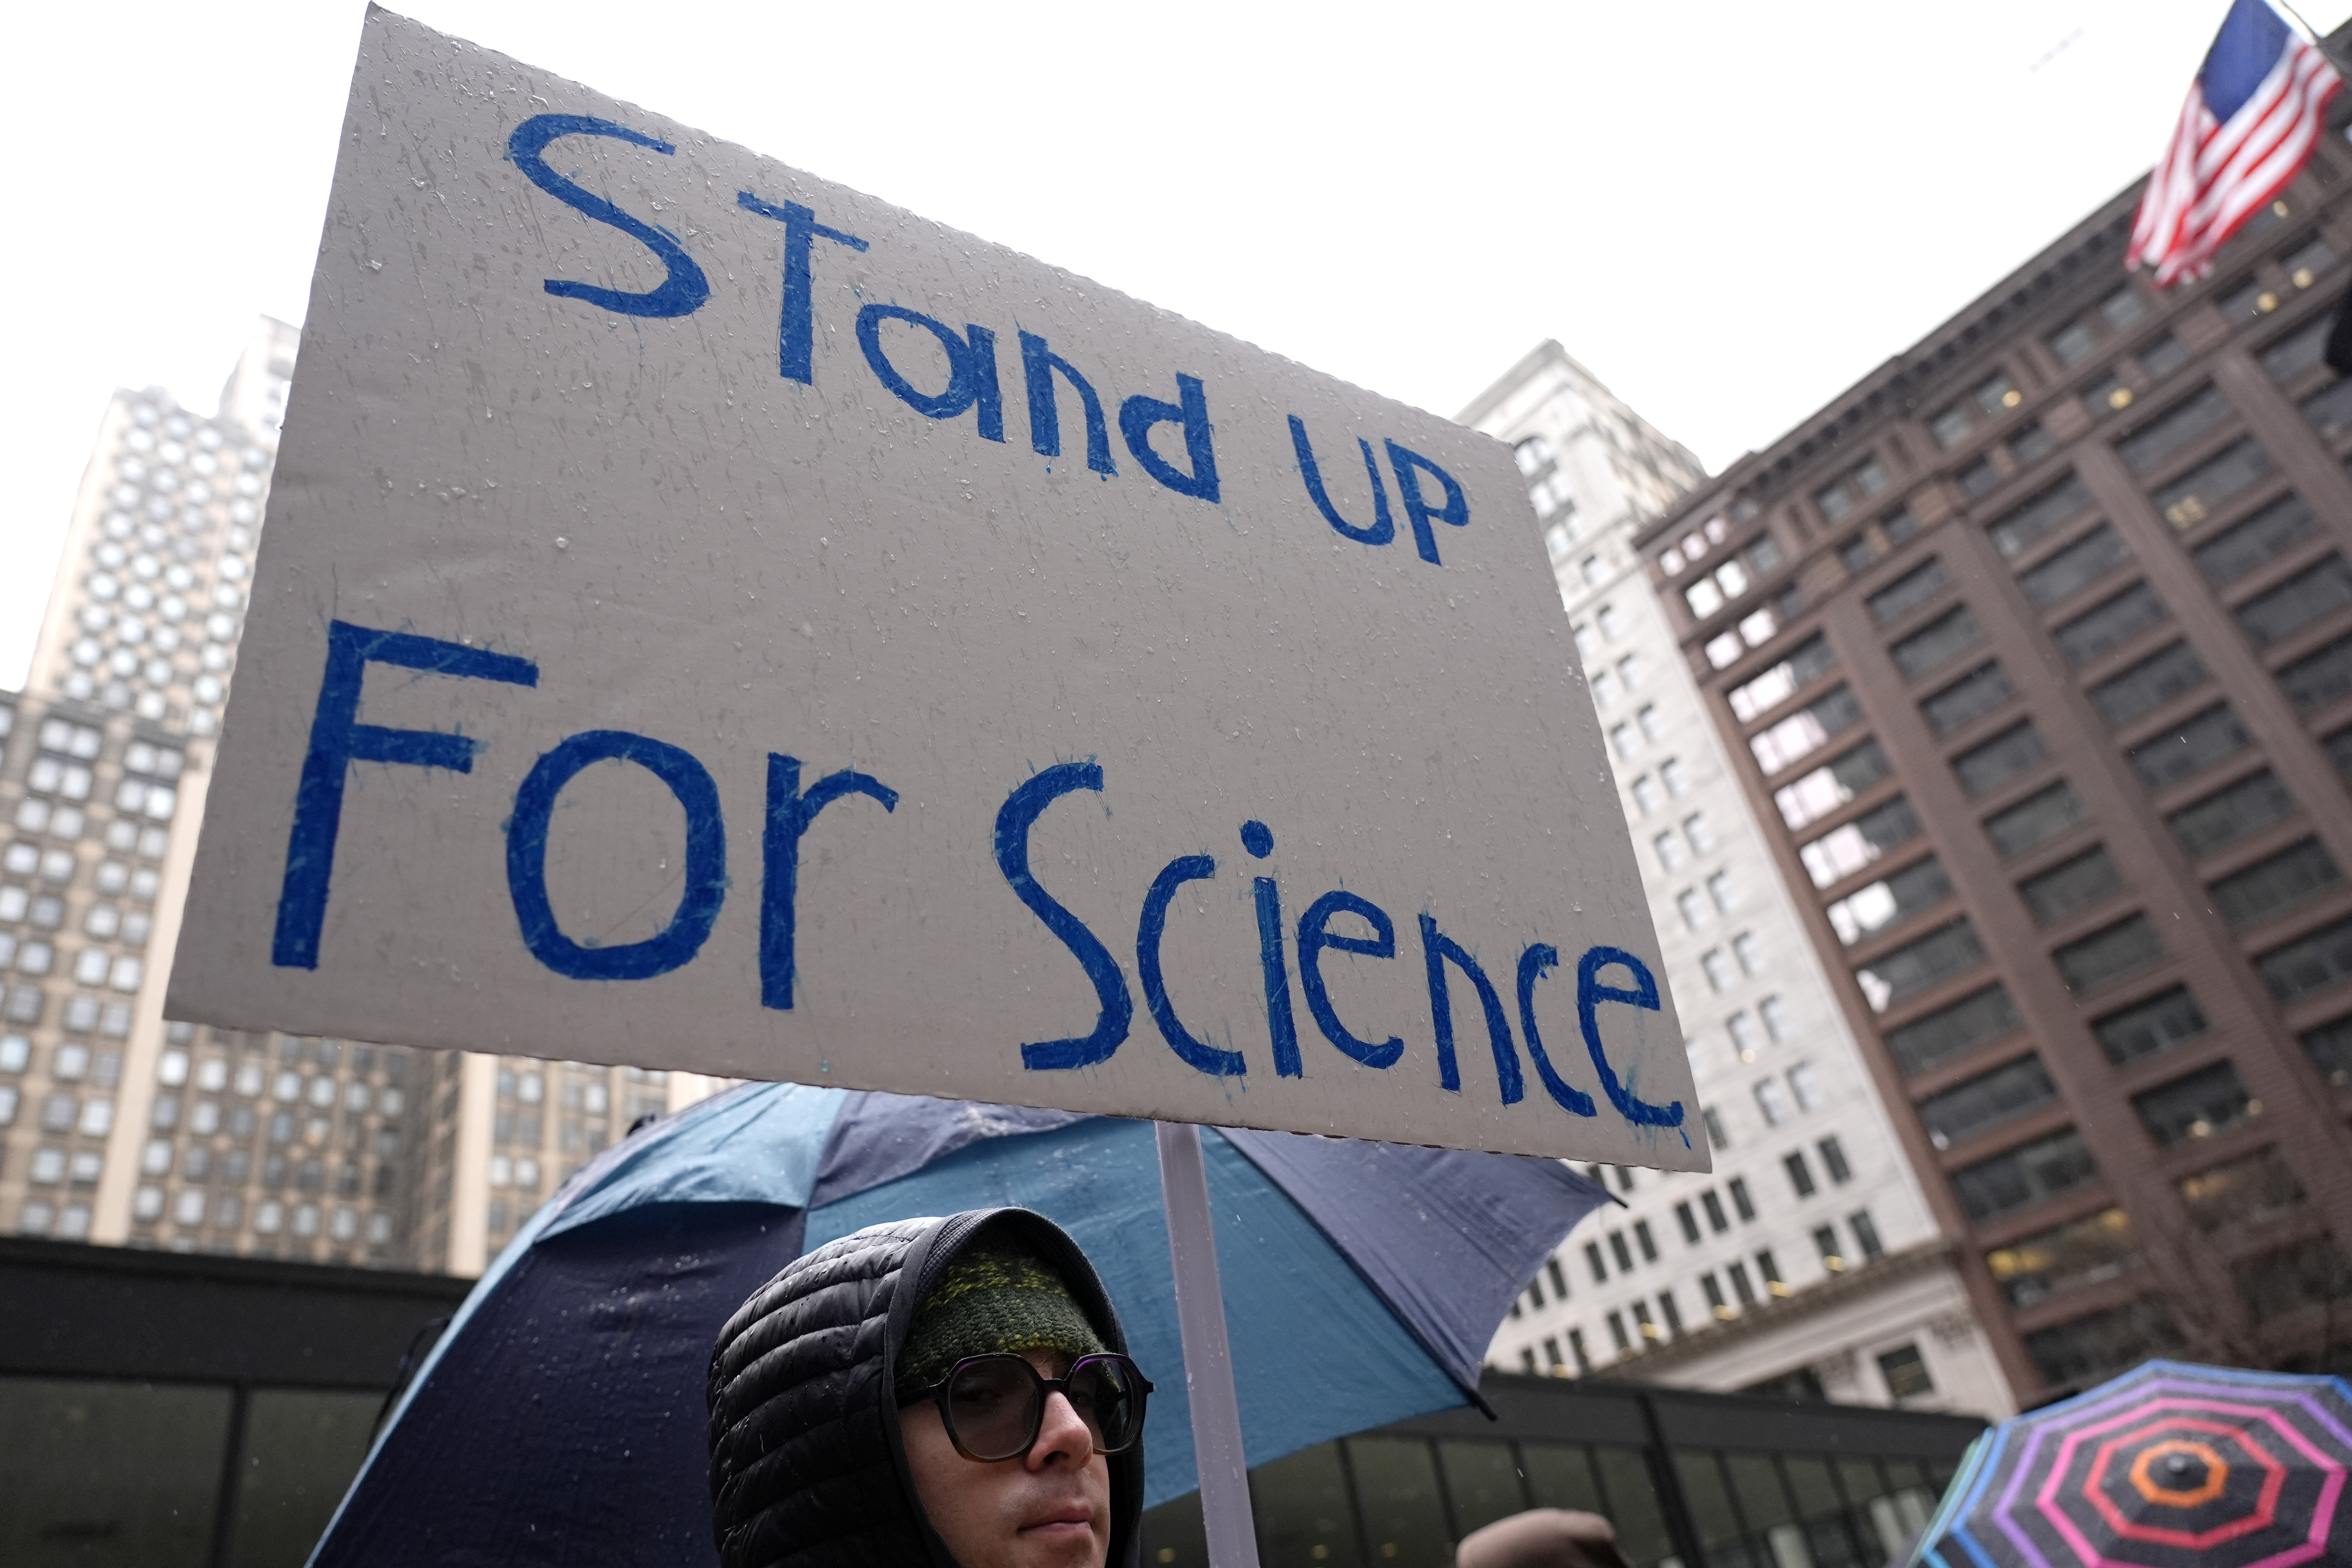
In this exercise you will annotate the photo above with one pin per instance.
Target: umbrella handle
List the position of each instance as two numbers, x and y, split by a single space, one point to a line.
1217 1453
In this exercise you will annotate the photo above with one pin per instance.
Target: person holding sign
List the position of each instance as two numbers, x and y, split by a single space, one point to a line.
948 1391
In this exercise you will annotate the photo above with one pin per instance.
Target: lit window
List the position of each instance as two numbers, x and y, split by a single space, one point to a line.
1744 1037
1825 1241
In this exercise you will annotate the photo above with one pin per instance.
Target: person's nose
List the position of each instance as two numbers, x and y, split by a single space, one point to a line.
1061 1433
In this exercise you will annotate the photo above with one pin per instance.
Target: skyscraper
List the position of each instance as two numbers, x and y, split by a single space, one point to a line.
1810 1262
2049 716
116 1126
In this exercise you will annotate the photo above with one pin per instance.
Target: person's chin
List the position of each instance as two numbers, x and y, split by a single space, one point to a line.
1057 1543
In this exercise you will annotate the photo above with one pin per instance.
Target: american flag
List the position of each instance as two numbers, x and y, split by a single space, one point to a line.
2252 115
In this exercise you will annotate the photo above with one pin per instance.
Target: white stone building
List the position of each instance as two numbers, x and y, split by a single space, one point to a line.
1808 1262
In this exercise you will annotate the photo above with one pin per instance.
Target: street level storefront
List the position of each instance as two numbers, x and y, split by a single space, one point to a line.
1691 1479
162 1410
165 1410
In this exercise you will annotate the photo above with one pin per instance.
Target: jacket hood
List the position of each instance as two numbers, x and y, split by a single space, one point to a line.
807 1466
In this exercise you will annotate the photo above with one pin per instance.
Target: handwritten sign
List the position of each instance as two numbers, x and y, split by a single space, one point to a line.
710 618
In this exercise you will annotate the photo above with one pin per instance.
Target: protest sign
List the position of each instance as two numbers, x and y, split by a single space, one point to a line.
709 618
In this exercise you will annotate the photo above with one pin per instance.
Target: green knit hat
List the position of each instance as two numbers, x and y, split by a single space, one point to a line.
992 1297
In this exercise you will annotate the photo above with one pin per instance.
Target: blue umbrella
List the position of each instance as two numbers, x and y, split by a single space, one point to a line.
561 1418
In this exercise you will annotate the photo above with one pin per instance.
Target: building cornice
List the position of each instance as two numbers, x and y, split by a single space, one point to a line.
1838 1291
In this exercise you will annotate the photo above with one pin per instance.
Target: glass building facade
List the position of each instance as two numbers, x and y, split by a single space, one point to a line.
1690 1481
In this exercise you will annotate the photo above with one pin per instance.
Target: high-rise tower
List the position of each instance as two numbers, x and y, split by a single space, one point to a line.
1810 1262
2050 725
116 1126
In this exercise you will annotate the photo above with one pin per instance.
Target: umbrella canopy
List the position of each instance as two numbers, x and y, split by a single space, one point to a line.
561 1420
2170 1466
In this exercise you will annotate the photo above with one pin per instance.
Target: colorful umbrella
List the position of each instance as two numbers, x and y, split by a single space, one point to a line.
560 1419
2170 1466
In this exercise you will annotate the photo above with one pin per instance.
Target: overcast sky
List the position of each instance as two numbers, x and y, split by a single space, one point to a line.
1728 211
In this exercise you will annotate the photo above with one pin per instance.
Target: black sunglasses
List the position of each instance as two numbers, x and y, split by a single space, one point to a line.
994 1406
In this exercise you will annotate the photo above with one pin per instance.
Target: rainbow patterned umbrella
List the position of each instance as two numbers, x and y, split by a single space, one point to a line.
2170 1466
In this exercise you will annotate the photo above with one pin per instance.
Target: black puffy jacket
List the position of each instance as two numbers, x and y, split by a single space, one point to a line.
807 1467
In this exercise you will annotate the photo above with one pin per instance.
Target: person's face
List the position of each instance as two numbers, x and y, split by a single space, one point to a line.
1049 1507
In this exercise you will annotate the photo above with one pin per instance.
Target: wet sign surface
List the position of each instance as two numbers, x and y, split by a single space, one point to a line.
709 618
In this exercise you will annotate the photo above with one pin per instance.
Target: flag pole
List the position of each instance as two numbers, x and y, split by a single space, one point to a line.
1217 1453
2318 38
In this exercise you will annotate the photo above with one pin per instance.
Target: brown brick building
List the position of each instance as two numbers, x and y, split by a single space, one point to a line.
2046 694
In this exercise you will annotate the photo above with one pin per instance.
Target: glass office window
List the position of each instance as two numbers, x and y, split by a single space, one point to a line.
1305 1516
303 1446
110 1475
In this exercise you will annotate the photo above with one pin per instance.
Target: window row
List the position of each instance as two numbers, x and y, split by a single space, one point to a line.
35 815
269 1216
47 911
92 966
233 1167
24 1003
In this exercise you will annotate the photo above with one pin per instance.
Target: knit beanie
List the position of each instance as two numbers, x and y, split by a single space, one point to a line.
993 1297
